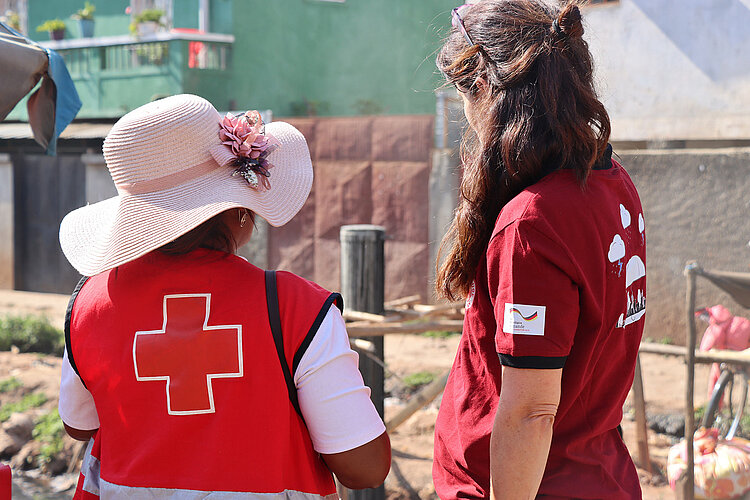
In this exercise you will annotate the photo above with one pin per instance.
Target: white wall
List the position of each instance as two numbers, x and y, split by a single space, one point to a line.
673 69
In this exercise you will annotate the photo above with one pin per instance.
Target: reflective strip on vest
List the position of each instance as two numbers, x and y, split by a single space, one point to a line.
90 469
111 490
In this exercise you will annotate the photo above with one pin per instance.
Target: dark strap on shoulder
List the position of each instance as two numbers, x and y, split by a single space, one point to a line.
274 318
334 298
68 314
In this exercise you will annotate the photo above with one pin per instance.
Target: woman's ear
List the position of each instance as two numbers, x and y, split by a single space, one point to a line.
481 86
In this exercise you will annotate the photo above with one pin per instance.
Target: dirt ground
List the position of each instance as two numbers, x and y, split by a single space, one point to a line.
410 477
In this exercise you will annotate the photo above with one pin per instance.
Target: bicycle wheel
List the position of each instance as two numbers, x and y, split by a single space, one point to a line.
721 412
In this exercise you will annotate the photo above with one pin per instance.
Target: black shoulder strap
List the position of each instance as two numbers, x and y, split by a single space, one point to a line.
334 298
68 314
274 318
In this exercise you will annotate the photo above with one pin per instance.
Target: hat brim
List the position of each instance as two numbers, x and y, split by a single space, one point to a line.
107 234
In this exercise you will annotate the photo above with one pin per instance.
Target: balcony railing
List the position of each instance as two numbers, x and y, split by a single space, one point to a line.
116 74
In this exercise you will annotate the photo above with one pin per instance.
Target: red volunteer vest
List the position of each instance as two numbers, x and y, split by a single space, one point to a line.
179 356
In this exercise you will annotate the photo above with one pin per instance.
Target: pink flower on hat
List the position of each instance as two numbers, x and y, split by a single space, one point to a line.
244 136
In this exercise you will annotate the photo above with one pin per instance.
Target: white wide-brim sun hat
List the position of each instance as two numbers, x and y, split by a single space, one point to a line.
173 173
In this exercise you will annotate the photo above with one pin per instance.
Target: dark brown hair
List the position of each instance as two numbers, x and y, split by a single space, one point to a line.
214 233
539 112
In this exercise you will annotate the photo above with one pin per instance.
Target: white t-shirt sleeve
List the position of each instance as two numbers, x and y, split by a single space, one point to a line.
334 401
76 405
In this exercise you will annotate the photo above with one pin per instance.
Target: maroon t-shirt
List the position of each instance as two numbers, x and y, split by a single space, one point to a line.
562 285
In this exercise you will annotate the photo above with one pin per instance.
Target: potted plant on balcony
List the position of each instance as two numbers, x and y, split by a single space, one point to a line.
12 19
147 22
55 28
152 54
85 18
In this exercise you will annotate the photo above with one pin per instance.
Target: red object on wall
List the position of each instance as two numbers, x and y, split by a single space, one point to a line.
5 484
194 48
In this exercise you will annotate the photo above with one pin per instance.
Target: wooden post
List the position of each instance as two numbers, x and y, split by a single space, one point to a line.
689 485
641 427
363 289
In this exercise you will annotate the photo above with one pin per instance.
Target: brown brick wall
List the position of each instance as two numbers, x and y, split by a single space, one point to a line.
368 170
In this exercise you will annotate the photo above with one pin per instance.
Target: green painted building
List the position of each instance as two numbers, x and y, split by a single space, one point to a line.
295 57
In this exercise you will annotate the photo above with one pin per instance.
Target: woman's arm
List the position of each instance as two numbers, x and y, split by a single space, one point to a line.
363 467
76 406
344 426
78 434
522 432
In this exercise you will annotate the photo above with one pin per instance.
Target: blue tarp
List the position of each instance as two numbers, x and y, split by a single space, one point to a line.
55 102
67 102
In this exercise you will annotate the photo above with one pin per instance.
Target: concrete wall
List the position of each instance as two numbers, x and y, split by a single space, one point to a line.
673 69
696 205
99 184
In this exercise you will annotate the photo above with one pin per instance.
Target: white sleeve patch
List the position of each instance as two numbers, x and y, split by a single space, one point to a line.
522 319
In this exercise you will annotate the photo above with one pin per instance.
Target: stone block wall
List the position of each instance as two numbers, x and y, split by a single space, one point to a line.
696 204
368 170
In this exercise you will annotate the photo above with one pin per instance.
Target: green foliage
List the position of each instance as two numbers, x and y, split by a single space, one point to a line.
30 334
9 384
440 334
86 13
49 431
306 107
418 379
368 107
724 419
32 400
12 19
699 412
146 16
149 15
51 25
663 340
744 430
152 53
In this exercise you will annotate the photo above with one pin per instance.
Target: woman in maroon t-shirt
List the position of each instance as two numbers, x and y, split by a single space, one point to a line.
548 247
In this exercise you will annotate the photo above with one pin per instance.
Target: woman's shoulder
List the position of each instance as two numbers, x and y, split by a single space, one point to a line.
537 201
293 289
290 280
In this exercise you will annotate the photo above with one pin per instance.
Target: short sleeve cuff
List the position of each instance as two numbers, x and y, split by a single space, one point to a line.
76 405
533 362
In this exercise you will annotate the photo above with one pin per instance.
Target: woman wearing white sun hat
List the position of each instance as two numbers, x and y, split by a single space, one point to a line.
193 370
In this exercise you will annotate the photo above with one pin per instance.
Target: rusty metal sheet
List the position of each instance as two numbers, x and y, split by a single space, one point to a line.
342 196
407 269
400 199
402 138
343 138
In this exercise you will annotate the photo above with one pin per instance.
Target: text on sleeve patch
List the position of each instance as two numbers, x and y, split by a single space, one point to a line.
523 319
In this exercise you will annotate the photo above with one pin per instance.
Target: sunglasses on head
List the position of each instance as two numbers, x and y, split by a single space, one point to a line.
458 22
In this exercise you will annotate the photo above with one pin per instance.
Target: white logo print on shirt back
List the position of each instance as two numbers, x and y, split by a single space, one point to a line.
470 297
635 270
